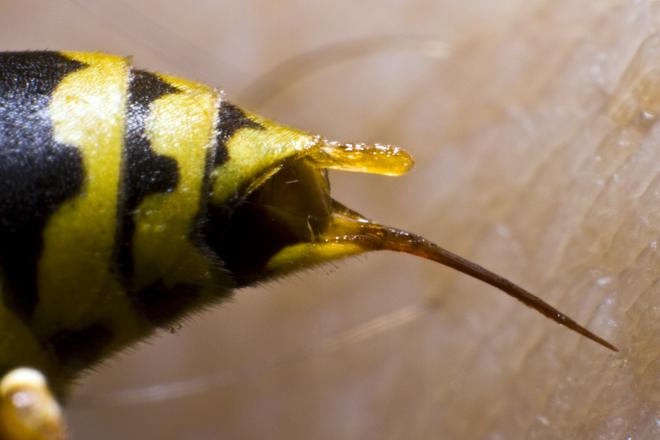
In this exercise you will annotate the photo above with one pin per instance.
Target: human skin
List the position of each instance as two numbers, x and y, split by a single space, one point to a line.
533 125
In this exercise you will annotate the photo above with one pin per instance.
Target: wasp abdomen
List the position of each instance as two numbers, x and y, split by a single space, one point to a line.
38 172
129 198
105 179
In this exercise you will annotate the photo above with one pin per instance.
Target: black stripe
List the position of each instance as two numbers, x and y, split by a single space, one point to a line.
230 120
161 304
197 237
80 349
37 174
212 229
145 172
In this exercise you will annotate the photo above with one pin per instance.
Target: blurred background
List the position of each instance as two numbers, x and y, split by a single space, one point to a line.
533 126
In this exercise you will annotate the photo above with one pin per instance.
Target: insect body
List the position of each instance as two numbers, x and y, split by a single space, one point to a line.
129 199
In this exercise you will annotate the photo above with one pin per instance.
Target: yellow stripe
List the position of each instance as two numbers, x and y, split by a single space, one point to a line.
87 109
180 126
254 152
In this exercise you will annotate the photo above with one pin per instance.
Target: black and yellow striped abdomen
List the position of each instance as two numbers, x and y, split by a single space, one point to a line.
128 199
105 180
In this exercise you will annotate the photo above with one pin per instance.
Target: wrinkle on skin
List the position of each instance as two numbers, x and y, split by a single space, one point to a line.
537 156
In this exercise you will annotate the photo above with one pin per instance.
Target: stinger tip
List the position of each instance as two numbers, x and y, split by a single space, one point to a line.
351 227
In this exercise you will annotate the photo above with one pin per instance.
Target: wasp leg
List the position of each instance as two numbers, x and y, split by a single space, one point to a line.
28 410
